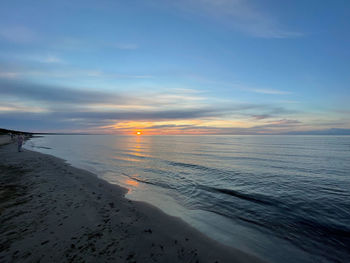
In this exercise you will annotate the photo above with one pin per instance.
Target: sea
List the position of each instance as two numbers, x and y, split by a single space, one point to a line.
282 198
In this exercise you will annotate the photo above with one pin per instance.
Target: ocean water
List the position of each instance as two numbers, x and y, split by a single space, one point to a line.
282 198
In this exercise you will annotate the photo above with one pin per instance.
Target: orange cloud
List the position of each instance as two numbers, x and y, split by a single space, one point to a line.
173 127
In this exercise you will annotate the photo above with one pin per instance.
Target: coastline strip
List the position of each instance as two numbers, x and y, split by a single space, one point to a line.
5 139
53 212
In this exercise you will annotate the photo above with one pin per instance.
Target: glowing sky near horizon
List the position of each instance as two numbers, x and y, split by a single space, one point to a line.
174 67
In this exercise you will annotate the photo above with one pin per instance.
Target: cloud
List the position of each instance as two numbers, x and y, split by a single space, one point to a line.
261 116
92 120
93 104
68 43
87 45
91 109
17 34
51 59
31 57
271 91
284 123
241 15
46 67
47 59
87 97
8 75
275 127
12 107
40 67
150 115
49 94
125 46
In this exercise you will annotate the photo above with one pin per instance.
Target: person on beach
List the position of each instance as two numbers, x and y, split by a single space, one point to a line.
20 142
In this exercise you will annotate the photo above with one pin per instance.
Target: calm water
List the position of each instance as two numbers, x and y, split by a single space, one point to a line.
283 198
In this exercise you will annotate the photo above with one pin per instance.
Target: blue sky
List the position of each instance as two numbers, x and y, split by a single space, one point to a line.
175 67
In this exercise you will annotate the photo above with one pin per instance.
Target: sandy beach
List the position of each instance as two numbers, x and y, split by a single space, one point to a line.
5 139
53 212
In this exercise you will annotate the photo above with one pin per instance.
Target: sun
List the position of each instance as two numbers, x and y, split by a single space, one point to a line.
138 133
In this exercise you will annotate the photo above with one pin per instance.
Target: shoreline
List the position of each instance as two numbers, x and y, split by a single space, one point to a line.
54 212
4 139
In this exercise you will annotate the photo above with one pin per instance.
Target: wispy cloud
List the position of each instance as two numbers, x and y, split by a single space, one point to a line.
51 59
125 46
47 58
68 72
284 123
270 91
242 86
180 110
69 43
8 75
12 107
241 15
44 93
201 128
17 34
261 116
65 104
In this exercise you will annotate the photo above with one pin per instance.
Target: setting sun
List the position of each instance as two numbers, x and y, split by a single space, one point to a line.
138 133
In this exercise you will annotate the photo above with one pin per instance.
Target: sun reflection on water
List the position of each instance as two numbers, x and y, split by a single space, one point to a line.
131 185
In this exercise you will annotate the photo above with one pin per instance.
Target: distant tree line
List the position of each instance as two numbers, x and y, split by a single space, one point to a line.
6 131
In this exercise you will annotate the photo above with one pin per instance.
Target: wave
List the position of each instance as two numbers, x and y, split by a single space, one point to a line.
202 168
42 147
335 191
159 184
256 198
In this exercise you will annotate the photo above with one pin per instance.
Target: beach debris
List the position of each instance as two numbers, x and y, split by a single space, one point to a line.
130 256
45 242
148 231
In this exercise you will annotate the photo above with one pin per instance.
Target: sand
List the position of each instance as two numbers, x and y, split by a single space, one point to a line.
53 212
5 139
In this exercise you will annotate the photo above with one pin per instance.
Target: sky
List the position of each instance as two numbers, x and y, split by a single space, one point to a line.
175 67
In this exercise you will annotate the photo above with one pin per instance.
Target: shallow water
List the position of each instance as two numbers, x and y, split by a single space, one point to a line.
283 198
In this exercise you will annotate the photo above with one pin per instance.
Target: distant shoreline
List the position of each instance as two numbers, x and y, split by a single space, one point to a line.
328 132
104 134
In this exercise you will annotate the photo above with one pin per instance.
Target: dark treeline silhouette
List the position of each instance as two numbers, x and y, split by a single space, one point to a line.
6 131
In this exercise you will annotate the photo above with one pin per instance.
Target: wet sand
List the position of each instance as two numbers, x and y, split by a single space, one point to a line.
53 212
5 139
